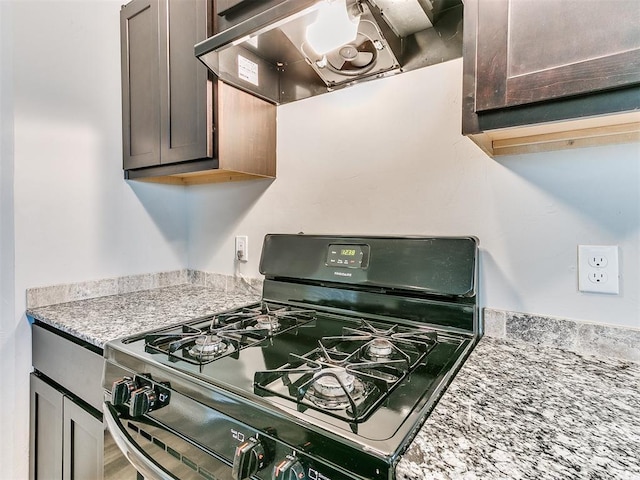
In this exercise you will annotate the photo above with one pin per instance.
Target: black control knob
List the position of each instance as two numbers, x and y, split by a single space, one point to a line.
250 457
289 469
121 391
142 401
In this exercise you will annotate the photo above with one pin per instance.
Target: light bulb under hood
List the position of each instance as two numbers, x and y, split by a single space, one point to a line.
334 27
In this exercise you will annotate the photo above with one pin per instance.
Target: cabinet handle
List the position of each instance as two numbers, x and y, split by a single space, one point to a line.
142 462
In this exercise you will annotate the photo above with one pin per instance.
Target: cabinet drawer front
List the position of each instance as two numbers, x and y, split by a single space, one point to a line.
73 366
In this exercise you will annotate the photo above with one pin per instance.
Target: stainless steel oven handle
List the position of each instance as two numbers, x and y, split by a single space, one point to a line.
142 462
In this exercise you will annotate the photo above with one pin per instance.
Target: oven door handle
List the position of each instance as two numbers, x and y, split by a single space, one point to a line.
142 462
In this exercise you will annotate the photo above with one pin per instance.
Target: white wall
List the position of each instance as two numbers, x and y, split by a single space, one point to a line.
76 219
387 157
8 349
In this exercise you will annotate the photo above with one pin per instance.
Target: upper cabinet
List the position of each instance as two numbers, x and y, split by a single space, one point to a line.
549 75
180 124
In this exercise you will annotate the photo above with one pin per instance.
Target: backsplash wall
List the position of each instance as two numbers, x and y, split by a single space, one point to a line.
387 157
582 337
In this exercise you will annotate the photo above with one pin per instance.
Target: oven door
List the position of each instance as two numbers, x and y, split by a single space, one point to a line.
157 453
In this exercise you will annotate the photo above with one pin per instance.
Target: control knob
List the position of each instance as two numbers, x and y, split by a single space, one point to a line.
142 401
289 469
121 390
249 458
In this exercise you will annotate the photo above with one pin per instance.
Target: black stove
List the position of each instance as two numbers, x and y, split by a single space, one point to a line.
329 377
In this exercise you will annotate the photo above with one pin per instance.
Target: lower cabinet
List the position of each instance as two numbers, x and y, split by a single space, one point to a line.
66 436
82 453
46 430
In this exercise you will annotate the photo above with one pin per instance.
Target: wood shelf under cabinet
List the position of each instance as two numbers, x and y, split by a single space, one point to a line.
586 132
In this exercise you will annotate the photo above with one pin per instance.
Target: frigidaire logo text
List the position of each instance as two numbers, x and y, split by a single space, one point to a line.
342 274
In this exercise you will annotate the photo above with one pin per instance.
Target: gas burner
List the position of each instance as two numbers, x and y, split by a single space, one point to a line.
370 343
208 346
380 348
265 319
340 385
266 322
333 382
333 388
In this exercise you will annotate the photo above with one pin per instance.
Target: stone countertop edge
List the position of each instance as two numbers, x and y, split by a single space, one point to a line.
99 320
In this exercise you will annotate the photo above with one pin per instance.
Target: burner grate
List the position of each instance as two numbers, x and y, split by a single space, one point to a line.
340 391
350 375
213 337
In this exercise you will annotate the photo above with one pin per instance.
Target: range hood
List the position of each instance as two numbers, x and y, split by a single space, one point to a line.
270 48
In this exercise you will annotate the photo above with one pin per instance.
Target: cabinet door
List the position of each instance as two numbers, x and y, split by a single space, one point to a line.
530 51
45 456
185 88
140 85
83 443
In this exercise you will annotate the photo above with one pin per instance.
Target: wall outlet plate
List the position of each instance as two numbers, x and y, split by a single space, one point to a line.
242 248
598 269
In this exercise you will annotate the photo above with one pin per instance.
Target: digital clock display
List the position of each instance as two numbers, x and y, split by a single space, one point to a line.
349 256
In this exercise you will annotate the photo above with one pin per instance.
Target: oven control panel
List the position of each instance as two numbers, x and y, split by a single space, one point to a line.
251 456
289 469
347 256
267 459
256 456
140 393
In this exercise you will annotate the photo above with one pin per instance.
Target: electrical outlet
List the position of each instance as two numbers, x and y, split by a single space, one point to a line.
598 269
242 248
598 277
598 261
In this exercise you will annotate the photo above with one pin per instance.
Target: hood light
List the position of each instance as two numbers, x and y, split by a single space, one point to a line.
332 28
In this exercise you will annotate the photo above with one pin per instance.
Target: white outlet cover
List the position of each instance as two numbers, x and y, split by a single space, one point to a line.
605 267
242 248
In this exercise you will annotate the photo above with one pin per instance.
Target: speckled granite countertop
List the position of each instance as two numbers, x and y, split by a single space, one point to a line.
99 320
514 411
520 411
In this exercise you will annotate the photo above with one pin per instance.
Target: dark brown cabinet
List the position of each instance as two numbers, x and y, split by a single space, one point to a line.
180 124
534 63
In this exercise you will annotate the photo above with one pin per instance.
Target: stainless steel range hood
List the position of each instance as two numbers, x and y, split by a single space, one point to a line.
265 47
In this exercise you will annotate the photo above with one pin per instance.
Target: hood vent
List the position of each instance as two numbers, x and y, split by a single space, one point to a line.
276 50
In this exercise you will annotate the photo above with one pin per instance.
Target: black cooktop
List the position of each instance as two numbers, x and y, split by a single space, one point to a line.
279 367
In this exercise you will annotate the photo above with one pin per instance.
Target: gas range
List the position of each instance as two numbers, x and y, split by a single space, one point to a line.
329 377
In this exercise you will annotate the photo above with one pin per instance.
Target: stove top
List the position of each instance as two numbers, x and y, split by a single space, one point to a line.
337 366
343 373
